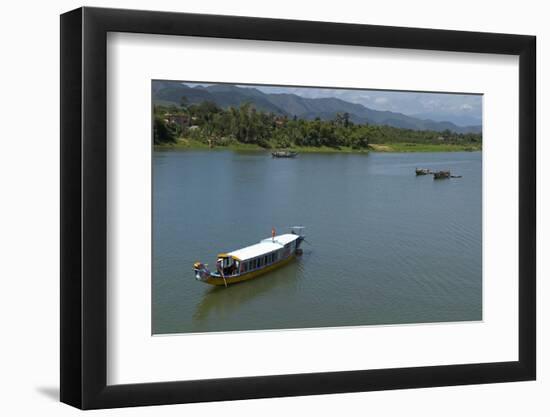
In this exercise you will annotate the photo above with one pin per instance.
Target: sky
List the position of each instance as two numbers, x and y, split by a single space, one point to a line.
461 109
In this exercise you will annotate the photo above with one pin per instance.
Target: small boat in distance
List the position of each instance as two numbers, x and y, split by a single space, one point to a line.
439 175
422 171
252 261
284 154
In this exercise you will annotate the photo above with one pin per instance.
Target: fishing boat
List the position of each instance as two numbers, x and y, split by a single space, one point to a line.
284 154
252 261
422 171
439 175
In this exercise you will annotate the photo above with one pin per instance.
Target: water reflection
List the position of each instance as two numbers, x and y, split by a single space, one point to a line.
218 302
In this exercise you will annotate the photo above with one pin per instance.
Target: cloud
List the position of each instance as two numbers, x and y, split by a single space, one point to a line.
466 107
381 100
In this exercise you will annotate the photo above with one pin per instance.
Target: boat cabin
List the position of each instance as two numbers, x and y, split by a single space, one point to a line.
261 255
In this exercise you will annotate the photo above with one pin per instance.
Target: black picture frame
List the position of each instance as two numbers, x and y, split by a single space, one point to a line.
84 207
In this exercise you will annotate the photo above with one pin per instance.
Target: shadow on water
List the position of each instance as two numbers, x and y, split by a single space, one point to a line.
220 301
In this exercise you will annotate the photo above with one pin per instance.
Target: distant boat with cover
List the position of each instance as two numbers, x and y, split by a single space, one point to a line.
284 154
252 261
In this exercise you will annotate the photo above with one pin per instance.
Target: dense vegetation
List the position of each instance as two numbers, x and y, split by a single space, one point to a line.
210 124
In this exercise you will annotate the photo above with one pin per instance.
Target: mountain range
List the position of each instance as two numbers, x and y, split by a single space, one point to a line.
228 95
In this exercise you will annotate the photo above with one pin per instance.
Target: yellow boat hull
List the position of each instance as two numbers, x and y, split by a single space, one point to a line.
248 275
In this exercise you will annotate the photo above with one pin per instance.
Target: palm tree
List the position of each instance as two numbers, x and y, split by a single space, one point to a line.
184 105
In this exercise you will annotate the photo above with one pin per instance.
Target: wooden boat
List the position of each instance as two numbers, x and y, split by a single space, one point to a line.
422 171
252 261
438 175
284 154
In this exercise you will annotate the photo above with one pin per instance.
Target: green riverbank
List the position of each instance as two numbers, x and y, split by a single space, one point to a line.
183 143
423 147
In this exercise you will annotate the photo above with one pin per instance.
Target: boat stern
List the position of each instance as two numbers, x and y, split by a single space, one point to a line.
299 231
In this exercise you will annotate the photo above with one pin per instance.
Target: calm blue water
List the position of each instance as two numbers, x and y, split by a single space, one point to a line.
386 246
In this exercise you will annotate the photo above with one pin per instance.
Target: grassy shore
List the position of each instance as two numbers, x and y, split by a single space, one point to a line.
423 147
184 143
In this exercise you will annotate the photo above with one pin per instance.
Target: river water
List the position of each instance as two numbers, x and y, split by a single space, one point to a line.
385 246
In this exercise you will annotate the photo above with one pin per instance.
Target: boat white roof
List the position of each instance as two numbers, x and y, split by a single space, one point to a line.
264 247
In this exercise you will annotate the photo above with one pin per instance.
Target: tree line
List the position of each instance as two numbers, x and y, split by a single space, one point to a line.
209 123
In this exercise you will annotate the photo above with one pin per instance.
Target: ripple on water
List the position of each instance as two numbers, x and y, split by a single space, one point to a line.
387 247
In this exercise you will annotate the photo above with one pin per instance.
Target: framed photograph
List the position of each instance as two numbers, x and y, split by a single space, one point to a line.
256 208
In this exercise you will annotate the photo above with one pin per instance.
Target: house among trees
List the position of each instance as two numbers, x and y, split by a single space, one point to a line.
280 120
179 119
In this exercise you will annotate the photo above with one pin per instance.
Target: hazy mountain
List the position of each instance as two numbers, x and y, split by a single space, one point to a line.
227 95
457 119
